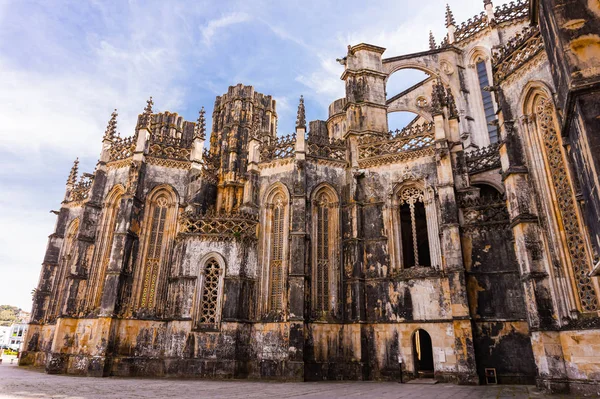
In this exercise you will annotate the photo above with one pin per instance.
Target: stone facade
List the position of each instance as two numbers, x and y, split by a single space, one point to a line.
458 244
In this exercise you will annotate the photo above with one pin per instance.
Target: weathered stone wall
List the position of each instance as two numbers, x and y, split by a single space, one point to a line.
570 29
496 292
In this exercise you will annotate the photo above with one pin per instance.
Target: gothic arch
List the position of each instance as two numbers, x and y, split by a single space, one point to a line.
274 251
414 110
478 52
272 189
325 254
392 67
106 232
450 82
325 187
549 166
208 296
427 197
530 91
167 188
156 239
422 345
474 180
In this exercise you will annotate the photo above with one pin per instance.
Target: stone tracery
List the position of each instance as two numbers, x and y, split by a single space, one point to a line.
580 260
325 232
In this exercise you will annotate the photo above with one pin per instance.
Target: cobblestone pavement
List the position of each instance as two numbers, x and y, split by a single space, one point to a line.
19 382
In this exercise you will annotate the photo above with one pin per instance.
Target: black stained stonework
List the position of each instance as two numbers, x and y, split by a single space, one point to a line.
586 110
509 353
236 292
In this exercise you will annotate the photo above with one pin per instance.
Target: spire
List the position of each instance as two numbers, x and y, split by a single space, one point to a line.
432 45
255 125
301 119
452 110
146 116
111 129
74 171
449 17
438 97
200 128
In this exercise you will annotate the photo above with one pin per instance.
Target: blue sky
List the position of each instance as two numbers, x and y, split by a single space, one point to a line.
65 65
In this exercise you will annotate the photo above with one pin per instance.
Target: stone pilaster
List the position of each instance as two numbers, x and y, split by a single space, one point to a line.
298 274
533 262
452 251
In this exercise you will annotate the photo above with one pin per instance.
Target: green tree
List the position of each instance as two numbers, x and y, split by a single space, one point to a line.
8 314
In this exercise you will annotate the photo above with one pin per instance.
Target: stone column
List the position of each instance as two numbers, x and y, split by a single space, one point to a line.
452 252
297 278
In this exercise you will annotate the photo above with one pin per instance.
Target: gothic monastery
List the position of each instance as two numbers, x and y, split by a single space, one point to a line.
464 247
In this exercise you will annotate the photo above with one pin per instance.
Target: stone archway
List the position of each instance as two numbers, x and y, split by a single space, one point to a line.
422 354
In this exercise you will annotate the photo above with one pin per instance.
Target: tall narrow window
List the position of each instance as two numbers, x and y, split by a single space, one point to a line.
413 220
155 248
276 256
488 104
558 173
322 264
210 300
325 251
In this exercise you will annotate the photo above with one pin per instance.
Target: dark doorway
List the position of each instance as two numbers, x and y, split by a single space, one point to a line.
423 354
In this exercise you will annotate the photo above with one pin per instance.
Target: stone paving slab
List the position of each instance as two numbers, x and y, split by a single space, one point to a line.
19 382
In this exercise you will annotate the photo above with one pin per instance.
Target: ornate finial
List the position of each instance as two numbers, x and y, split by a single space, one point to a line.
486 2
146 117
301 118
255 133
111 129
148 109
452 110
74 171
432 45
200 128
438 97
449 17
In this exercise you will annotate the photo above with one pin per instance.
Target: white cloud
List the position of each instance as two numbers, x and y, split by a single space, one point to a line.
209 30
55 111
324 82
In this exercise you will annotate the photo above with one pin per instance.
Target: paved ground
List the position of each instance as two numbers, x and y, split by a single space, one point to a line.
18 382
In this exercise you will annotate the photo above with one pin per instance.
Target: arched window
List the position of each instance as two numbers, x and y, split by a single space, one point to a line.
208 313
545 127
486 97
413 225
325 253
274 252
102 258
415 242
68 255
276 258
159 228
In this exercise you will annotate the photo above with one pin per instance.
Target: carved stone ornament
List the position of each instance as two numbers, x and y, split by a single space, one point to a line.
446 68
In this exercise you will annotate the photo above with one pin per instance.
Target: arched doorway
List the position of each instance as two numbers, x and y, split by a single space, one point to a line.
423 354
